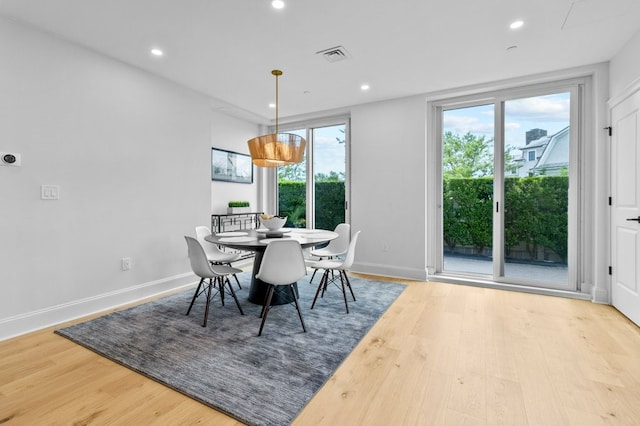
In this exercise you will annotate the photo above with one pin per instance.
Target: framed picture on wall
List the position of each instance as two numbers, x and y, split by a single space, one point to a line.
230 166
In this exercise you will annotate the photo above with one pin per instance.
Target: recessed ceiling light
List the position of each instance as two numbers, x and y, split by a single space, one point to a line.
272 105
157 52
365 87
277 4
516 24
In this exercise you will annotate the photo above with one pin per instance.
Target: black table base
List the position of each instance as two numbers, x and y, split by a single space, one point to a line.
258 288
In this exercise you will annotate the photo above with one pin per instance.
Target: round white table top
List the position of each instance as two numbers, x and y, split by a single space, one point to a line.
257 239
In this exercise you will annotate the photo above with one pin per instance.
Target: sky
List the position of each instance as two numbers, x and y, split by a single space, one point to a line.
550 112
329 155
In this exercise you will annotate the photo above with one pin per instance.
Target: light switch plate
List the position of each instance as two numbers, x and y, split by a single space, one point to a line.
50 192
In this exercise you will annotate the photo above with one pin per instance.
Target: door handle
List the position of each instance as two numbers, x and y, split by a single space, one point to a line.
637 219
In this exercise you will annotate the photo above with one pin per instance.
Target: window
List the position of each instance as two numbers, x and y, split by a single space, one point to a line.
509 185
314 193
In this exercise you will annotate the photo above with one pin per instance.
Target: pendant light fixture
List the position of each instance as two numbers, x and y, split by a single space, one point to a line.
277 149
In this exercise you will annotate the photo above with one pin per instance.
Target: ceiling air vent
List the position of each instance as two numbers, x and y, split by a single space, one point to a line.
335 54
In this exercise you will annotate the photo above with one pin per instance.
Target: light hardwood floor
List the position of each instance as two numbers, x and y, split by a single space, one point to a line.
443 354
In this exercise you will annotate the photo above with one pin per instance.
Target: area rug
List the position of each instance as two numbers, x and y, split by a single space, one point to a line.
263 380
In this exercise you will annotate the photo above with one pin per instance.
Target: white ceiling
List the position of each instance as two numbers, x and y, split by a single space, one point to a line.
227 48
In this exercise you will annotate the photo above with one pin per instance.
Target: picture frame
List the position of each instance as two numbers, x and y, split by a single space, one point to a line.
231 166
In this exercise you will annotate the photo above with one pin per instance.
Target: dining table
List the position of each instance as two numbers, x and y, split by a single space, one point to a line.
256 240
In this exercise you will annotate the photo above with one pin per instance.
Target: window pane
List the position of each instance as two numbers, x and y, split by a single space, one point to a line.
292 190
468 189
537 197
329 148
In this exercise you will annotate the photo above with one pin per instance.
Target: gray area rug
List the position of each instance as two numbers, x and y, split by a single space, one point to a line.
263 380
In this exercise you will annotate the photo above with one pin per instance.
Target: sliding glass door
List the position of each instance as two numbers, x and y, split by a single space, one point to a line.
467 170
314 193
329 175
292 189
536 188
507 209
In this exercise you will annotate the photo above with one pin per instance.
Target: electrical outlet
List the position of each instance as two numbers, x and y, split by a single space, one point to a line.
125 263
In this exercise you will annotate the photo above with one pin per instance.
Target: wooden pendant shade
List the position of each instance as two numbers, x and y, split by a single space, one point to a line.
277 149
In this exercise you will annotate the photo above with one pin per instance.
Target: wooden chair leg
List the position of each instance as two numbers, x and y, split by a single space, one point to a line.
327 280
295 300
206 309
346 278
320 285
264 302
220 284
233 293
237 281
265 309
236 277
195 295
344 292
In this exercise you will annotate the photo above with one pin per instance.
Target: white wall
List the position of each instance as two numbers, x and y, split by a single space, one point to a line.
232 134
131 154
624 76
388 154
389 175
625 66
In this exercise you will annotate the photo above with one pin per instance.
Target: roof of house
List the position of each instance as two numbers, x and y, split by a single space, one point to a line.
542 142
556 153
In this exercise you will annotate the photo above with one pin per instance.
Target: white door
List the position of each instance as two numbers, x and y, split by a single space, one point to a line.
625 226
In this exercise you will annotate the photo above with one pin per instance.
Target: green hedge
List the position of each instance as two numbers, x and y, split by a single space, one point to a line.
468 210
292 198
535 214
330 198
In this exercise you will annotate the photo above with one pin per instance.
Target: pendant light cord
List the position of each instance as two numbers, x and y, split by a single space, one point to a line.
277 73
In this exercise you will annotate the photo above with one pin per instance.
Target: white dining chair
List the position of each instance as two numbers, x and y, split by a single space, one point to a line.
218 276
282 265
336 247
341 266
214 254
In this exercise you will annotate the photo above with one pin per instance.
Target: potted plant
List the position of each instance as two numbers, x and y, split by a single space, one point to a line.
238 207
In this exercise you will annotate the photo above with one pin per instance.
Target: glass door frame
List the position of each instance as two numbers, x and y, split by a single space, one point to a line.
309 126
435 255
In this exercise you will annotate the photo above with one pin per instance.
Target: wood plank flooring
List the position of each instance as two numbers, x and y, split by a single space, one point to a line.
443 354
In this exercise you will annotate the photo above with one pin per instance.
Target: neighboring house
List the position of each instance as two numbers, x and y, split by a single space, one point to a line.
555 156
544 155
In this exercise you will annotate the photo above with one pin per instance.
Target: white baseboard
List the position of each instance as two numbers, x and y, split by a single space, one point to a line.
600 295
390 271
48 317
